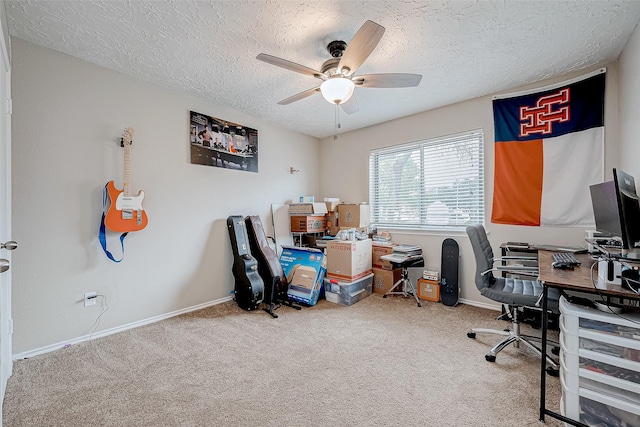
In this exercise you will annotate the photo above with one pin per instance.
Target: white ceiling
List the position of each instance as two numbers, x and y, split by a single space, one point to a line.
463 49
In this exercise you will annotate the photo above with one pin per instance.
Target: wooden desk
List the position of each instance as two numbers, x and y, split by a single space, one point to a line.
583 278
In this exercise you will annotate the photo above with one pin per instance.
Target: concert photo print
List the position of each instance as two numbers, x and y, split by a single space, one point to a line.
220 143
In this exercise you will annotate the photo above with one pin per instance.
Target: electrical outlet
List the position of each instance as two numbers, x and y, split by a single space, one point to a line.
90 298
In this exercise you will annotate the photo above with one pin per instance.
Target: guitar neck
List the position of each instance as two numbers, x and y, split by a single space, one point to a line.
126 188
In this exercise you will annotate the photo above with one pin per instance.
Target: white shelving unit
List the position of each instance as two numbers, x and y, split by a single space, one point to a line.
599 366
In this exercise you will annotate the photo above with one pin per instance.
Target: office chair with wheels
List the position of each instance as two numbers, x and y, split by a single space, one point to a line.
514 293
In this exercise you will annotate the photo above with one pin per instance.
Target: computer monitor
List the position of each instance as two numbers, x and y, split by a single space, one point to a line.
628 209
605 209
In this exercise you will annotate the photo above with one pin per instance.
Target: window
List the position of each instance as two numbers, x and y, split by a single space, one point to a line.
435 184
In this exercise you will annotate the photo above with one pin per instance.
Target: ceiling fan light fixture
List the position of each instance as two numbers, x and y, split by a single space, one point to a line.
337 90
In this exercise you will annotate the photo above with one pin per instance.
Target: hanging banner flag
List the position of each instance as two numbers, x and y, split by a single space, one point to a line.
549 148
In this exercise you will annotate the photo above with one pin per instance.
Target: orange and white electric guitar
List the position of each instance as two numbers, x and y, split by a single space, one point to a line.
125 213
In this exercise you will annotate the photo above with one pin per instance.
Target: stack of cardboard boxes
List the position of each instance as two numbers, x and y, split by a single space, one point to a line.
330 215
384 275
354 268
349 277
308 217
349 261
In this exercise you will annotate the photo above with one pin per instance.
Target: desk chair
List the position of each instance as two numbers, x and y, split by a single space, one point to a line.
513 293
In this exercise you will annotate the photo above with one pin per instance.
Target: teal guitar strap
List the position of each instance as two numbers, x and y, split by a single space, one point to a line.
102 234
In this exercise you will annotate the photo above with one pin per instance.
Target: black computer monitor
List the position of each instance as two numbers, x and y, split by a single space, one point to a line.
605 209
628 209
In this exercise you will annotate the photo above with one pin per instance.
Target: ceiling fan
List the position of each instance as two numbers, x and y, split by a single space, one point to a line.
337 73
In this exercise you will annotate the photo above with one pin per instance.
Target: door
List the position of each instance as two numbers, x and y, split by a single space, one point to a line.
6 322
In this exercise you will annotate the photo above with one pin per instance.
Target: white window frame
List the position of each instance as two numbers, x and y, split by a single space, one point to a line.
435 184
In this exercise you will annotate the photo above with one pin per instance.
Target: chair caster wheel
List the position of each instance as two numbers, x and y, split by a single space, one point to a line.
490 358
384 296
553 372
419 305
471 334
555 350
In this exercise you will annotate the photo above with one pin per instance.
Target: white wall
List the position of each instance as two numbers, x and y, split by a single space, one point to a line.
629 106
68 117
348 157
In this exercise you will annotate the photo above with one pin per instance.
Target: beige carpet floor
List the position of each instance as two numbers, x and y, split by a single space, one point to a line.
379 362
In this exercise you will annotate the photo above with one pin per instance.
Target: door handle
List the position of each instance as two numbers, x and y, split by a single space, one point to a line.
4 265
10 245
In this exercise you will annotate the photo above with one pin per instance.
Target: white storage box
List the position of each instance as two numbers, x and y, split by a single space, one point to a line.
569 342
599 366
595 404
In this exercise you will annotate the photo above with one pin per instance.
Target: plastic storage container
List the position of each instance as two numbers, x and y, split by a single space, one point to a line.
599 366
348 293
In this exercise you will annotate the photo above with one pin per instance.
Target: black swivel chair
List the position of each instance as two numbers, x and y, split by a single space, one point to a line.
512 293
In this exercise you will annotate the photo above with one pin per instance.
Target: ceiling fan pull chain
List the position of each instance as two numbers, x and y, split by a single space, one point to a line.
336 121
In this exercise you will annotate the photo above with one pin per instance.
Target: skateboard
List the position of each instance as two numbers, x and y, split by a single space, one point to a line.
449 273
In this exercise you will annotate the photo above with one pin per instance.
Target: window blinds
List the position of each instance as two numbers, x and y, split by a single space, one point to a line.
435 184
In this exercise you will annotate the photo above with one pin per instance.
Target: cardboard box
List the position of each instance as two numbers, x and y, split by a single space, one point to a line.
331 204
305 273
376 252
308 223
383 280
353 216
301 209
428 290
307 208
348 260
332 223
348 293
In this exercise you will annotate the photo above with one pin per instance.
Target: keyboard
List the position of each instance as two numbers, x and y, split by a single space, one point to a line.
565 258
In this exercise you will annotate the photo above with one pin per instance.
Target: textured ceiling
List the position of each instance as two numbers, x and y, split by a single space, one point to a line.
463 49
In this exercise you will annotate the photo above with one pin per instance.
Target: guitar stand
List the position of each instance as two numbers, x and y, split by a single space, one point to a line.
291 304
273 306
404 285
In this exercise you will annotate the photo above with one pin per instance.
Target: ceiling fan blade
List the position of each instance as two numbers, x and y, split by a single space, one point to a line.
388 80
299 96
288 65
361 45
351 106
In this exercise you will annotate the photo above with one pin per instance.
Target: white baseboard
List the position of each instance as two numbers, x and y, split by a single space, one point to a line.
481 304
67 343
